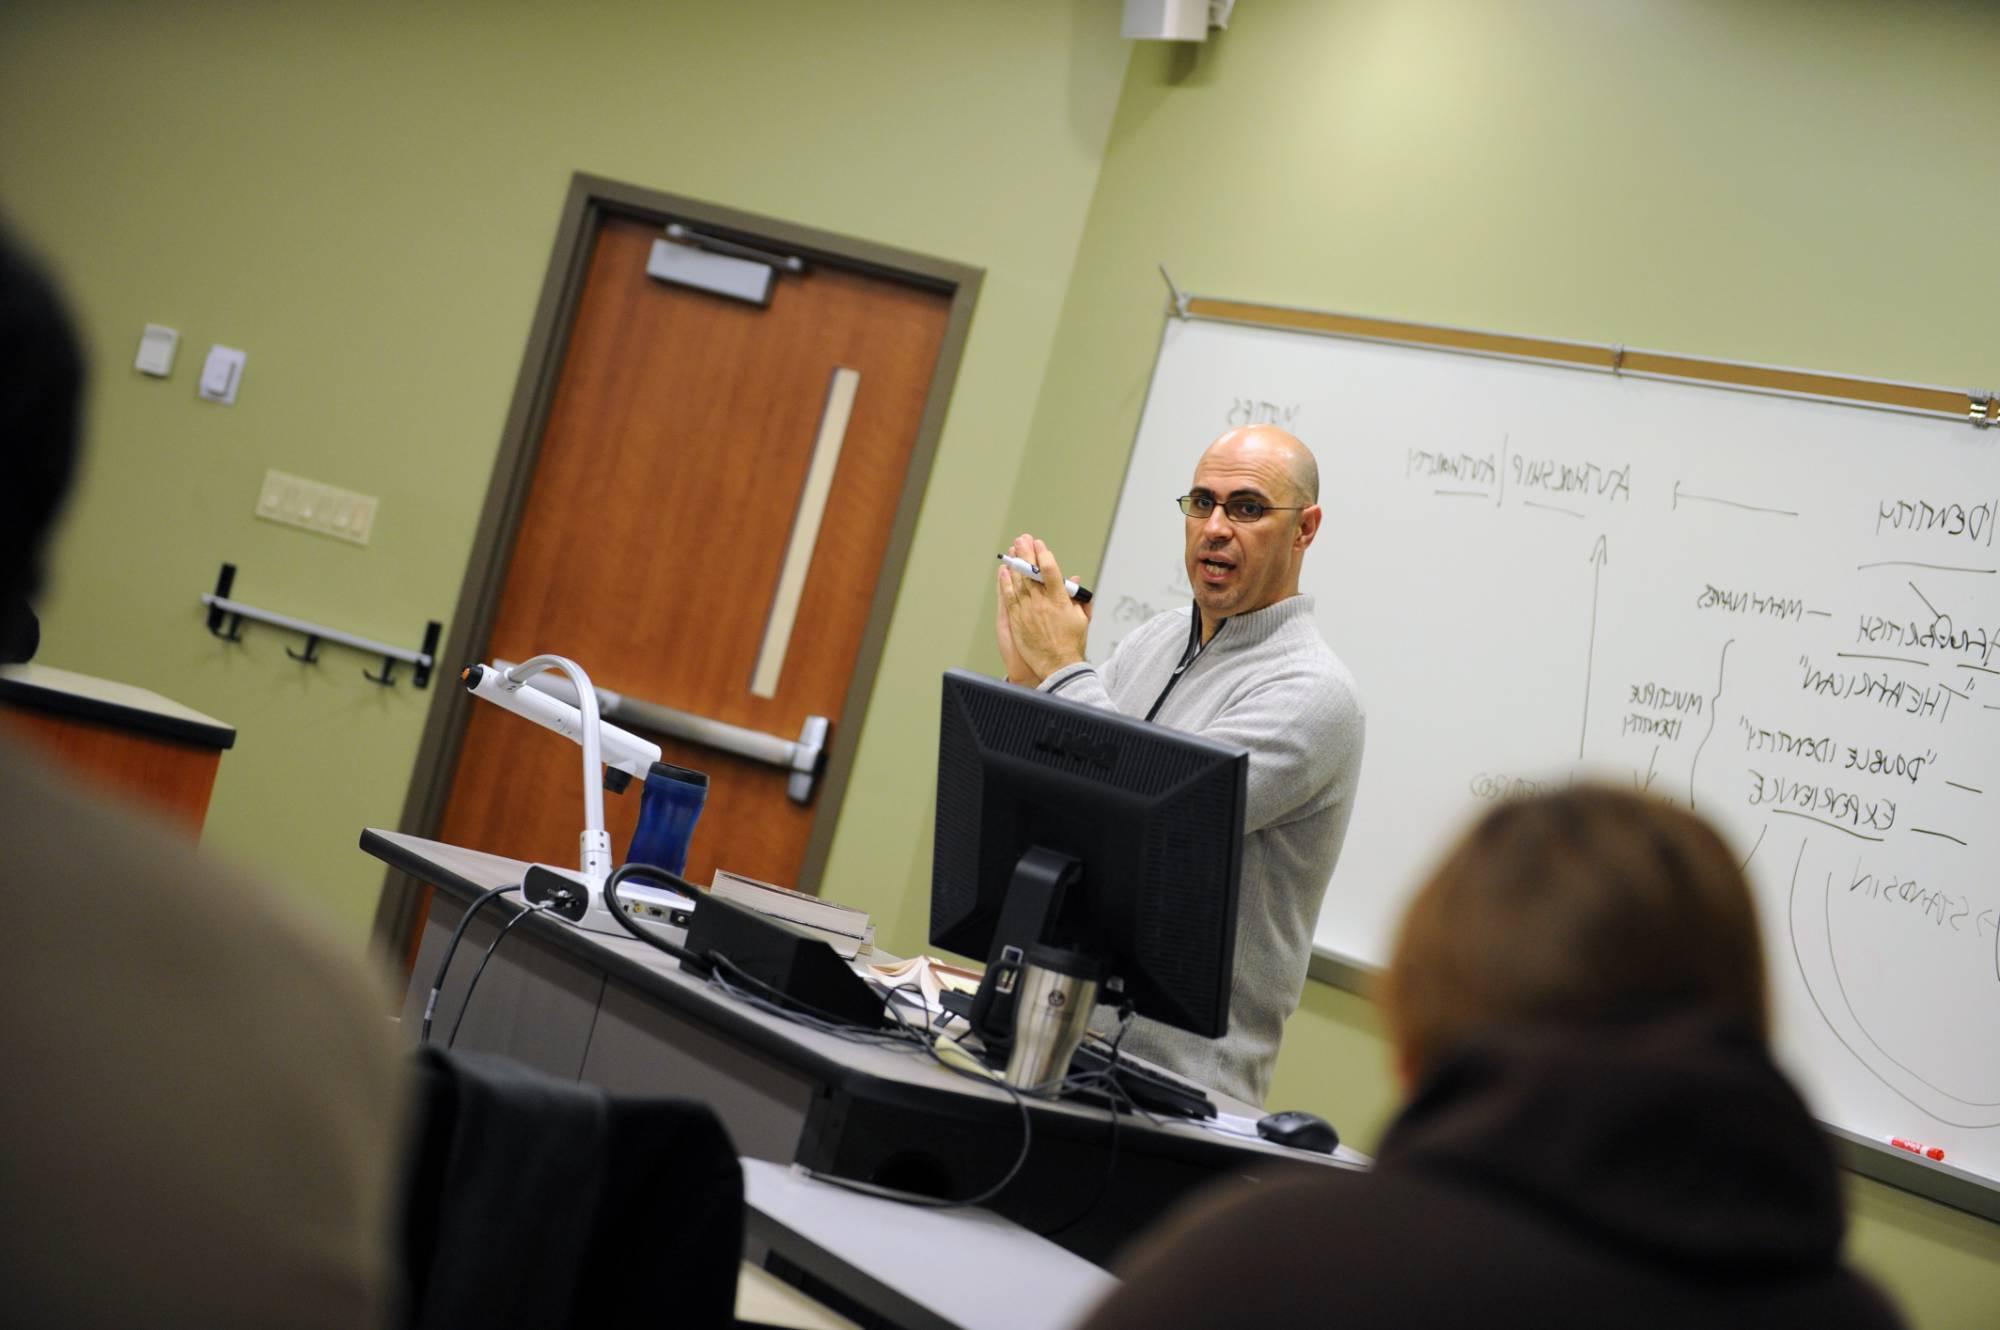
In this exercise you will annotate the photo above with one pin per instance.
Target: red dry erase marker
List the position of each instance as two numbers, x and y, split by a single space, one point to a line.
1916 1148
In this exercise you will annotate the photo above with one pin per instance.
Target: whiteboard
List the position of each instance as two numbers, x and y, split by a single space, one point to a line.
1784 613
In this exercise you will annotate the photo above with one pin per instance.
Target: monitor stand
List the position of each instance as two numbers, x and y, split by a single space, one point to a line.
1034 897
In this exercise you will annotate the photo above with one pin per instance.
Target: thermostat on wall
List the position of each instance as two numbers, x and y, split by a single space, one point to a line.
156 350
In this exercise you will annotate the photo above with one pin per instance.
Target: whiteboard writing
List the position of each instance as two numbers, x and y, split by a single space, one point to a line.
1783 614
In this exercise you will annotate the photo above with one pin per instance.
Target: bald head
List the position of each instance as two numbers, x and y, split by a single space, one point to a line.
1238 566
1264 446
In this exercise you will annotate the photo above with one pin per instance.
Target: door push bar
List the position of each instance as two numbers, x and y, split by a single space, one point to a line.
804 757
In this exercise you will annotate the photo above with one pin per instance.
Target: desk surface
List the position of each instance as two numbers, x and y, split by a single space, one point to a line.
615 1012
889 1072
924 1268
764 1299
43 688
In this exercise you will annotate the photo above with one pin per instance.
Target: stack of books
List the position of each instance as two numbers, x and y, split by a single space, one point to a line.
841 927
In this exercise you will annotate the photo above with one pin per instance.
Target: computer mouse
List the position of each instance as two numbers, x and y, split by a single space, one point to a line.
1300 1130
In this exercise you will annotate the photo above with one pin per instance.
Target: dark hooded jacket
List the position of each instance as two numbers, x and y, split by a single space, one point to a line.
1656 1175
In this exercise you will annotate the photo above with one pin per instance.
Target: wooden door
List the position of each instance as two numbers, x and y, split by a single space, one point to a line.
665 492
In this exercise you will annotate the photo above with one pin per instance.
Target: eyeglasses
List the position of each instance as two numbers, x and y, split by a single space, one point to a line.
1240 509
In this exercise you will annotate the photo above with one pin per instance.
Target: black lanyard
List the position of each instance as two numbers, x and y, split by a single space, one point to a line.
1188 655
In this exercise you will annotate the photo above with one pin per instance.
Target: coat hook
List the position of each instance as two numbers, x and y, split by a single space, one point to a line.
226 618
223 581
429 656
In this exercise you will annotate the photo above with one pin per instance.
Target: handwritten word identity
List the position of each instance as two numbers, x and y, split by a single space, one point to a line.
1974 522
1820 748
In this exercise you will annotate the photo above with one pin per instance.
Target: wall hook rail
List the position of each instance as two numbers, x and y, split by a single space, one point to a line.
226 617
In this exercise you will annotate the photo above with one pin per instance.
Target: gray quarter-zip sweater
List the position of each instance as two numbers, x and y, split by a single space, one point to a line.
1267 682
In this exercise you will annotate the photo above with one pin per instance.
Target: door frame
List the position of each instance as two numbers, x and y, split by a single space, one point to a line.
591 199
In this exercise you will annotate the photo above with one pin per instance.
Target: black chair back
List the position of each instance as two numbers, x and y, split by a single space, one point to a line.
532 1201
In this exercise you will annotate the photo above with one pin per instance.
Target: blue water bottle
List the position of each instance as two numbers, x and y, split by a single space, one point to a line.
668 806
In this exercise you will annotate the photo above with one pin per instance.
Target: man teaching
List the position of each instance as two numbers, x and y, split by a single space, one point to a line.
1244 665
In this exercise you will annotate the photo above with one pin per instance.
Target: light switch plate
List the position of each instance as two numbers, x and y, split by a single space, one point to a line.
221 374
156 350
312 506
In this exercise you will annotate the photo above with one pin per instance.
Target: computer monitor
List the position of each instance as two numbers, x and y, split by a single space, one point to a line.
1093 831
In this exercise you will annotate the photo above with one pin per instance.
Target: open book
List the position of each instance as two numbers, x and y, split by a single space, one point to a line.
926 976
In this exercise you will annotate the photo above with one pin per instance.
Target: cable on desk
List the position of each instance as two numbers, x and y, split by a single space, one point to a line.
889 1007
437 984
660 877
907 1035
726 975
984 1077
533 907
718 967
786 1007
709 964
776 1001
939 1202
1116 1095
804 1013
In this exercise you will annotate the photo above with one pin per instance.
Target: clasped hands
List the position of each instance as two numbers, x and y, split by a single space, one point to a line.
1039 628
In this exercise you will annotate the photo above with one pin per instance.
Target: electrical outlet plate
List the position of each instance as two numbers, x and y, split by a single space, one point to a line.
312 506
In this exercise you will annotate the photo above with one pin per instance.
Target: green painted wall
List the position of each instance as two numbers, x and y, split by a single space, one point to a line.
364 197
1780 182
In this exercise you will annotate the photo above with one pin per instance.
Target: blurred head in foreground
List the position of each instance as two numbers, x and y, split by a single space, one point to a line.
1592 1129
1588 907
41 380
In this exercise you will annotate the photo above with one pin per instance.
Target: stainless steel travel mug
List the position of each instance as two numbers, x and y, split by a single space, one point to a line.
1052 1010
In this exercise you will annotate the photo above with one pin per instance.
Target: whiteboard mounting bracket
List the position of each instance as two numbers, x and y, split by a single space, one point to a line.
1983 408
1180 297
1618 358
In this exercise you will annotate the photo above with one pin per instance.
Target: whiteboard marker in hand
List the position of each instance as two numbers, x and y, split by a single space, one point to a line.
1078 592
